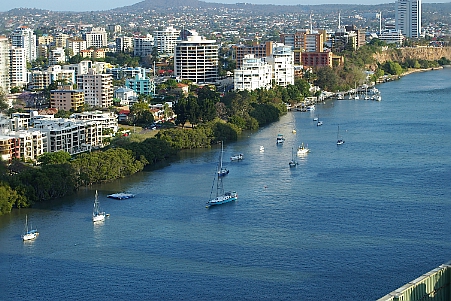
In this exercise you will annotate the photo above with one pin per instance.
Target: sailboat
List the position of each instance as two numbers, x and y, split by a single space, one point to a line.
29 234
97 215
222 171
221 196
292 162
340 141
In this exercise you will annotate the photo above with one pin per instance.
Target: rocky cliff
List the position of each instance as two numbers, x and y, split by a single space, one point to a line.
417 53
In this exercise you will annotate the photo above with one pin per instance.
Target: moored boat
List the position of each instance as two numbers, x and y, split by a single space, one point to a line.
29 234
97 214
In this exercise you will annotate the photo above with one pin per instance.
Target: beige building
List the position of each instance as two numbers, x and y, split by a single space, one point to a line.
98 88
67 98
75 45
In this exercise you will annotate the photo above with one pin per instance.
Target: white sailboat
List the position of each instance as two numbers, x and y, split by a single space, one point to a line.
29 234
222 171
97 214
221 196
340 141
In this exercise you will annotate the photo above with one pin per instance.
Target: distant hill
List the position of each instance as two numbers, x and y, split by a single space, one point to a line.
164 5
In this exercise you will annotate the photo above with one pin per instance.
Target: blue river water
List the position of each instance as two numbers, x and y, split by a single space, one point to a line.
350 222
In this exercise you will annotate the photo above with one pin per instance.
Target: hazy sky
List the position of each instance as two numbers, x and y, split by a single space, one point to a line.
87 5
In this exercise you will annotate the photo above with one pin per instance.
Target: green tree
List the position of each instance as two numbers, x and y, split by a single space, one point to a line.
54 158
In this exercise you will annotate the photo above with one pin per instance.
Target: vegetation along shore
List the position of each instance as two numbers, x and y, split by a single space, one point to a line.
211 116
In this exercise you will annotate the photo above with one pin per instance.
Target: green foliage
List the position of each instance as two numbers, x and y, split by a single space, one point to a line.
264 113
10 198
45 183
63 114
393 68
151 150
104 166
140 113
60 157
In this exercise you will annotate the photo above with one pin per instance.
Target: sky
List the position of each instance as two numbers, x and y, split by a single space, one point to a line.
88 5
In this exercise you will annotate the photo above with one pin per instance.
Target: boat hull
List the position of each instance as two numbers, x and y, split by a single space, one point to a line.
30 236
98 218
120 196
223 199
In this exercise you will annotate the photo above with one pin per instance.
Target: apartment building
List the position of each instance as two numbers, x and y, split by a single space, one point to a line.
143 45
30 144
18 67
281 60
141 84
254 73
408 17
196 59
166 39
80 68
258 50
24 37
108 120
391 37
75 45
97 87
127 96
42 79
67 98
9 148
4 64
60 39
72 136
124 44
57 56
96 37
317 59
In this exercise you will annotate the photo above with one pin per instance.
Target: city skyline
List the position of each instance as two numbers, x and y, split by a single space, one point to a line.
85 5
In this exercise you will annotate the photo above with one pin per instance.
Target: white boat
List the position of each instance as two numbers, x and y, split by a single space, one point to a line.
237 157
29 234
262 148
280 139
376 97
302 150
222 171
97 214
340 96
340 141
221 196
311 108
319 123
292 162
121 196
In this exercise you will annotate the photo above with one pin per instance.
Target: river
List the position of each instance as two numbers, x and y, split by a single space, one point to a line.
354 221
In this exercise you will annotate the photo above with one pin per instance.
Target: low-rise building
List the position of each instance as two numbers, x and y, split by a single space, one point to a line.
67 98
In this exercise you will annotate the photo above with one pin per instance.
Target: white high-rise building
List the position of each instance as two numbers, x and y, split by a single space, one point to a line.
4 64
281 60
408 17
97 37
18 67
98 88
196 59
165 40
25 38
253 74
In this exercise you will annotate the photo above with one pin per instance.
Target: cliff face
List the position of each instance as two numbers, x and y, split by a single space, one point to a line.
417 53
